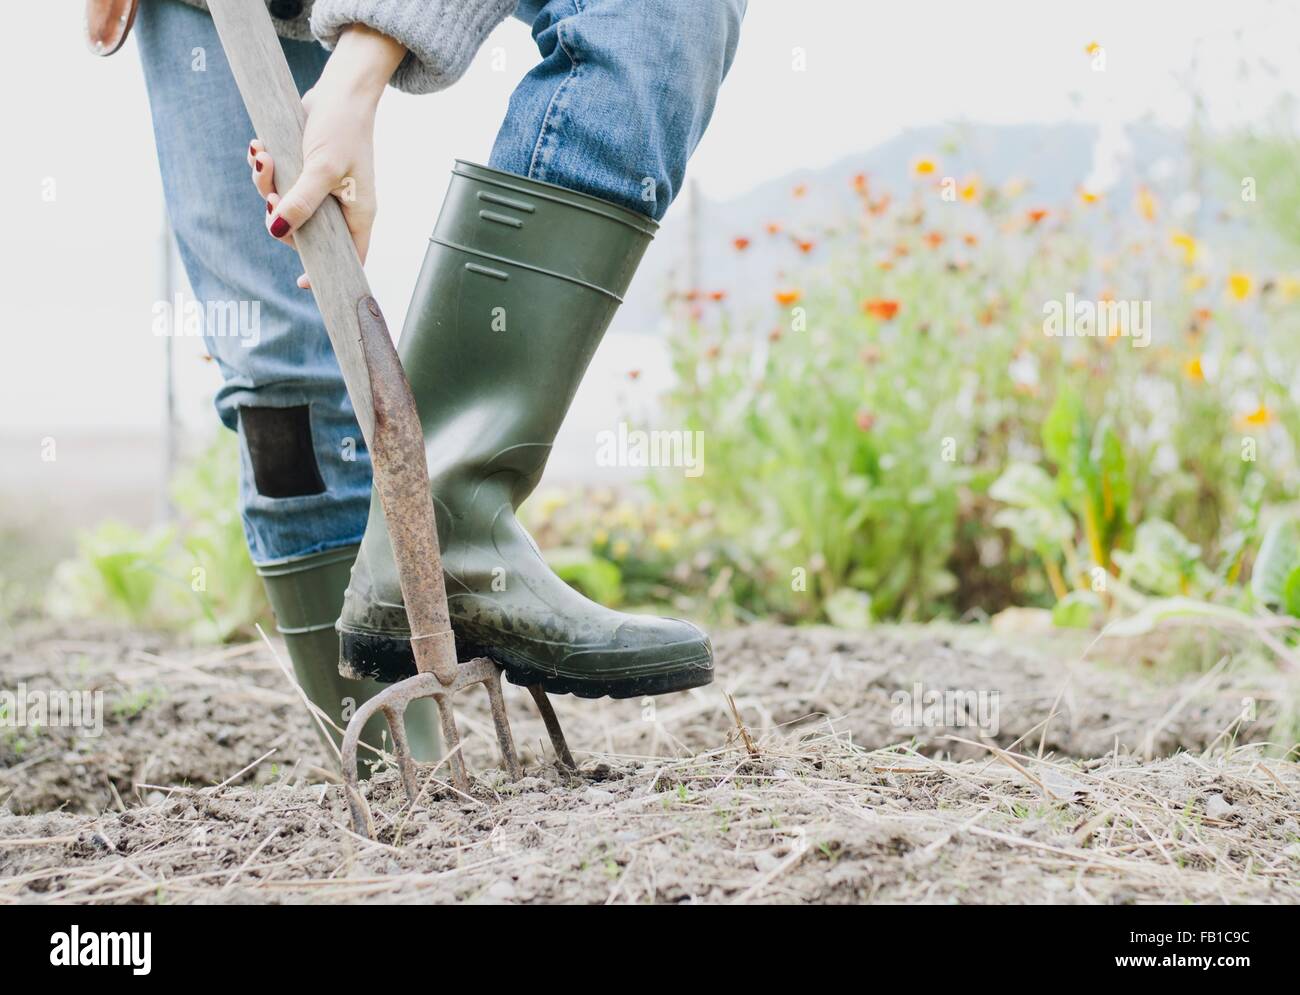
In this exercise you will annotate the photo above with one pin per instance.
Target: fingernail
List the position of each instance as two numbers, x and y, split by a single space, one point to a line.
268 207
251 152
258 164
279 227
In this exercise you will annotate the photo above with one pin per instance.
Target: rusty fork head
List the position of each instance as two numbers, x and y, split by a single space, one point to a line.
393 701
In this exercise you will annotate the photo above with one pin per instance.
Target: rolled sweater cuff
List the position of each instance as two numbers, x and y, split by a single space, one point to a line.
441 36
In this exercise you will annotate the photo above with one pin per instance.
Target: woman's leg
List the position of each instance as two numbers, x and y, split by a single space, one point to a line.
519 284
305 482
305 470
621 97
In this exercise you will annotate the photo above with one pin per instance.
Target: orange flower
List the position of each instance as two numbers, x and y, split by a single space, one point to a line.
1193 370
691 295
1037 215
800 190
1204 314
787 297
879 206
712 351
924 167
860 183
718 295
970 239
633 374
805 246
885 264
881 308
901 250
934 239
740 243
774 228
774 335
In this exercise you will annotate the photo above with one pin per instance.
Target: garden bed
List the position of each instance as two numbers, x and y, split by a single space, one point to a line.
1100 782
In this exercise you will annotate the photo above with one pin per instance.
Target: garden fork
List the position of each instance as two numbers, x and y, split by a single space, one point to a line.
386 412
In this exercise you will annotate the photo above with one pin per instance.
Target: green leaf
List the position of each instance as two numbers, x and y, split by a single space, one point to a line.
1065 440
1037 518
1279 554
849 609
1291 593
1150 616
1162 561
594 576
1076 610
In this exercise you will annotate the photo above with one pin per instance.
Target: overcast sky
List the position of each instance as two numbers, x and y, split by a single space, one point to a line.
80 273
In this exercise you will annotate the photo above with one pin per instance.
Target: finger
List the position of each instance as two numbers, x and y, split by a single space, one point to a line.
300 201
303 282
272 201
360 224
263 173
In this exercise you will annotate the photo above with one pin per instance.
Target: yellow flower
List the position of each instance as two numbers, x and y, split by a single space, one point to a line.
1088 197
924 167
1193 370
1146 204
1290 287
620 549
1188 244
1092 48
1239 285
1258 418
553 501
664 541
600 536
969 190
1195 282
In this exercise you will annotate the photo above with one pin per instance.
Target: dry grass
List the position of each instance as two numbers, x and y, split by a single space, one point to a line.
786 797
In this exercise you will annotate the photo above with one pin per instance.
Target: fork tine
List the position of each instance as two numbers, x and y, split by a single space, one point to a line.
504 739
558 742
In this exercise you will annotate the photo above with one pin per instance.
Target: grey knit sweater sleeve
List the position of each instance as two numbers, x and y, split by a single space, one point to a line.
441 36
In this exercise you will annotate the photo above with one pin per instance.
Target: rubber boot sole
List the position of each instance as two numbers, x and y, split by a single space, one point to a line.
388 659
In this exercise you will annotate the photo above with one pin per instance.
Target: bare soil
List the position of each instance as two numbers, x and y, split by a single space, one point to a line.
1104 782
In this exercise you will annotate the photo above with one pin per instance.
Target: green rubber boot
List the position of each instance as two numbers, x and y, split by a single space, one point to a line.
519 283
306 594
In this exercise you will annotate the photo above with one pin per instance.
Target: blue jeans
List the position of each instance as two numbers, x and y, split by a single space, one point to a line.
616 106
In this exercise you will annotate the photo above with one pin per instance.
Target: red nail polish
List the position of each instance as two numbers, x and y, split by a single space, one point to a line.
258 164
251 151
268 207
279 227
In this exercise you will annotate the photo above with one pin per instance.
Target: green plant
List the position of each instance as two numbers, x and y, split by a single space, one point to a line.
194 576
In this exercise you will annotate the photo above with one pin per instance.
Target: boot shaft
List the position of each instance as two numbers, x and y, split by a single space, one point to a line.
519 284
